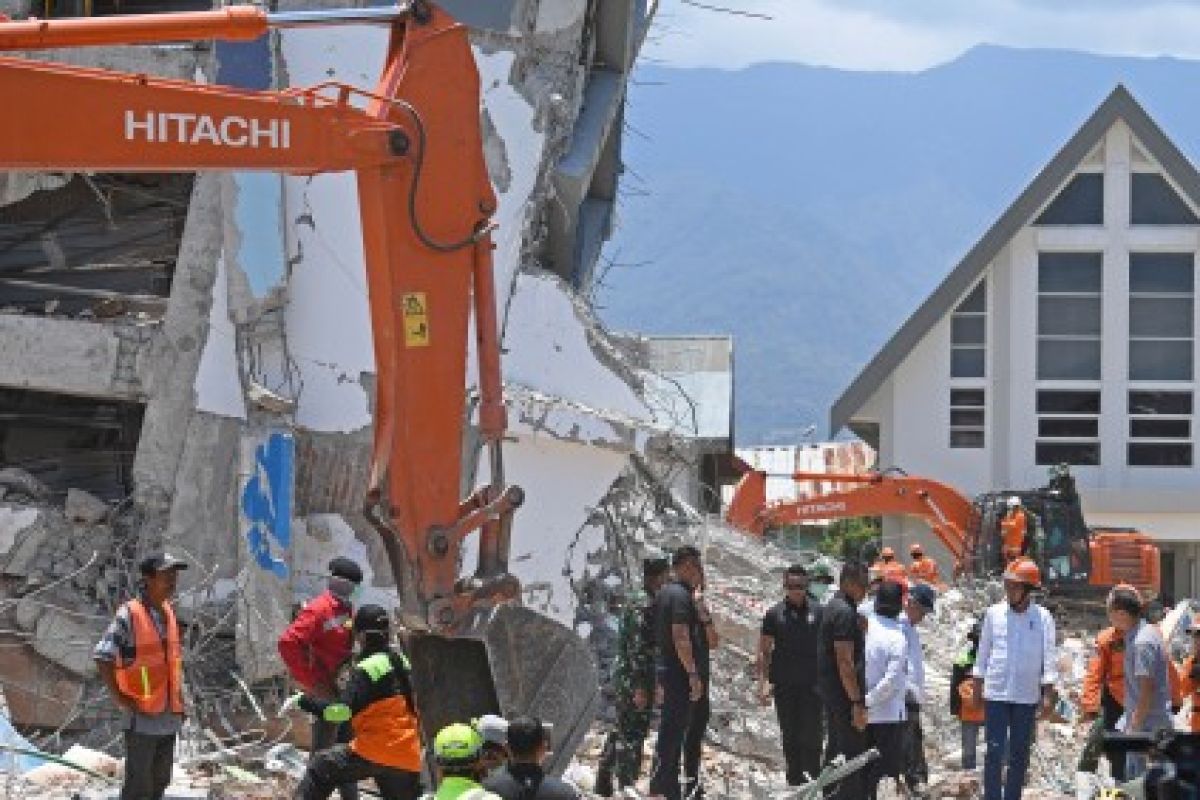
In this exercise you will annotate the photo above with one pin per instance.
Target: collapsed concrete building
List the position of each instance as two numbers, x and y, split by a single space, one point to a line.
186 359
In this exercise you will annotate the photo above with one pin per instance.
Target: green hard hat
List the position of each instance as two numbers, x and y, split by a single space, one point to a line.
457 743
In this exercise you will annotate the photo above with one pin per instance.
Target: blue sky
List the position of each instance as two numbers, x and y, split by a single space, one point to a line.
915 34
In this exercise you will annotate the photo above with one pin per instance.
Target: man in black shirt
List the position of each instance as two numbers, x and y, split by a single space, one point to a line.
840 664
524 778
685 636
787 668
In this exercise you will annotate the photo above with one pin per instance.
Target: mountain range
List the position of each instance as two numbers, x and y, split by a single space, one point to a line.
808 211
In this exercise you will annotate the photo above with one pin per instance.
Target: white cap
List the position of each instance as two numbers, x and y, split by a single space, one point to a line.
493 729
1014 501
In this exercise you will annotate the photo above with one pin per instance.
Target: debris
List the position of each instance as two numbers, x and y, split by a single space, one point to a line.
76 765
83 507
19 484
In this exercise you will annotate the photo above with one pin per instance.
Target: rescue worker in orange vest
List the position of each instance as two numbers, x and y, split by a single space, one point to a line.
1014 529
887 564
1191 673
140 660
923 568
378 702
1103 698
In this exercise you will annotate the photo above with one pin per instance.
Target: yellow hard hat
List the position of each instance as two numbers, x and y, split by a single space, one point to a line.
457 743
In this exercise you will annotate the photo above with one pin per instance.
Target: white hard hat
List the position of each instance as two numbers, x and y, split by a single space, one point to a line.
1014 501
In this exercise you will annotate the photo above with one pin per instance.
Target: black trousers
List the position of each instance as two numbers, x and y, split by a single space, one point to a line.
339 765
916 769
890 739
801 730
324 736
1089 759
148 762
680 734
844 739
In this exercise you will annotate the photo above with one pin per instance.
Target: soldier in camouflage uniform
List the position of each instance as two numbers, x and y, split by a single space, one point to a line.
633 684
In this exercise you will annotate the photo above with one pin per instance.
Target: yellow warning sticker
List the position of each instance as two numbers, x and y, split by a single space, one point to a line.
416 319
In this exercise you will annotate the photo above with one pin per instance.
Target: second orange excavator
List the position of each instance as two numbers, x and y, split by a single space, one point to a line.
1070 554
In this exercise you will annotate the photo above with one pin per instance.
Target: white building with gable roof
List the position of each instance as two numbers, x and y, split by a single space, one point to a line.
1066 335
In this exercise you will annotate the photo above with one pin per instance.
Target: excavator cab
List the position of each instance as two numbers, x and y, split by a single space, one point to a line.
1074 558
1058 537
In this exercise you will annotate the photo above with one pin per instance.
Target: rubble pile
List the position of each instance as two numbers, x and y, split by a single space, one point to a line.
743 757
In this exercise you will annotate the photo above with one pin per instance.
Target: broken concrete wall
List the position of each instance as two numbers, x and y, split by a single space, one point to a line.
265 348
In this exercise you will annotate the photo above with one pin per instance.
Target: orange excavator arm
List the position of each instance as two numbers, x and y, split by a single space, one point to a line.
415 144
947 511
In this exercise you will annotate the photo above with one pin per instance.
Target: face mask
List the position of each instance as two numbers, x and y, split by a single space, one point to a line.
819 590
342 588
356 595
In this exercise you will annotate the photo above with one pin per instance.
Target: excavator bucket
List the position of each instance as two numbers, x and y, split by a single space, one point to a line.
511 661
749 497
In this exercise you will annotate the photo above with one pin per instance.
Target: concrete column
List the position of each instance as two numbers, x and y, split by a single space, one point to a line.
168 371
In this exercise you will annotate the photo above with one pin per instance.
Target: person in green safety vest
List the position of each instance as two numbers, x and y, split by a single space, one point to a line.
458 750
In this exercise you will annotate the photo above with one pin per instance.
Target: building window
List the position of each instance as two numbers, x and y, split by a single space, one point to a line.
1152 201
1160 429
1068 427
1081 202
1161 288
967 414
1068 316
968 335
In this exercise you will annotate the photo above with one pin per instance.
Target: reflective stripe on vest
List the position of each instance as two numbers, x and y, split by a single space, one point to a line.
153 680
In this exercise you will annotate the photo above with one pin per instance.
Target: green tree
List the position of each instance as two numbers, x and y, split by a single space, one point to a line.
855 538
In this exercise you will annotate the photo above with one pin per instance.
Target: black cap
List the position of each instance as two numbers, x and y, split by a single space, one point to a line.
160 562
655 566
371 618
345 568
889 599
924 595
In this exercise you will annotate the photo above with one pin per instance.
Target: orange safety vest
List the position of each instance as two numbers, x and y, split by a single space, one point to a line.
1013 528
924 569
972 707
1105 669
153 680
386 731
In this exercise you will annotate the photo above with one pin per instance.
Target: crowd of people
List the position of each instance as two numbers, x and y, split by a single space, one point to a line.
854 654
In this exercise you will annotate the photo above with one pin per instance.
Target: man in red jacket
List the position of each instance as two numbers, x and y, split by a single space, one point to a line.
316 645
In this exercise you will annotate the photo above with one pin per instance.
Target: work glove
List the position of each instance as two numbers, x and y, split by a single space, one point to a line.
290 704
336 712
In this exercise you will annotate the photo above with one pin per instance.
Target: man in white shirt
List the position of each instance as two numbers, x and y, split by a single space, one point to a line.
920 601
1015 670
887 680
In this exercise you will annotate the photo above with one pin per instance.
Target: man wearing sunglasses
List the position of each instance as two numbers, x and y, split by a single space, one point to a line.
787 669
